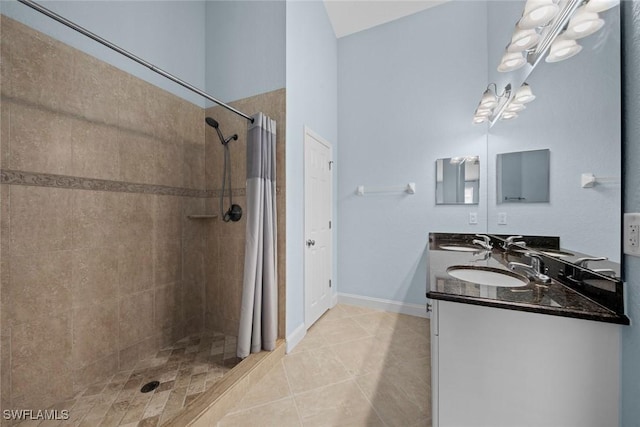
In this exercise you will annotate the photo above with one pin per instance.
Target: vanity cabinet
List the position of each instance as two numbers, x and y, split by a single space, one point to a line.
496 367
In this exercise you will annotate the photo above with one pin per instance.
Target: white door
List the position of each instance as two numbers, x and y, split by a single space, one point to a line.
317 226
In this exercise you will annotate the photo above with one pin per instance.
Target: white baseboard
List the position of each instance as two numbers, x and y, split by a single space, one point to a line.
294 338
384 305
334 300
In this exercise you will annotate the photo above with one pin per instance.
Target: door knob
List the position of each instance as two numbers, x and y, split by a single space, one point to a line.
310 242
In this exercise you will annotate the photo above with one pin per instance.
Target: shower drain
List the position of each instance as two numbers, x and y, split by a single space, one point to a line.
150 386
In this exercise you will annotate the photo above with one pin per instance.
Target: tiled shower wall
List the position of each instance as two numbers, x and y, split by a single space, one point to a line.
224 258
97 271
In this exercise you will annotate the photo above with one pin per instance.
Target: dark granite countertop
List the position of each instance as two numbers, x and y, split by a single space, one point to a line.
552 298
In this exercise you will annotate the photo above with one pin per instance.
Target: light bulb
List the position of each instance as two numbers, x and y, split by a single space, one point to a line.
488 99
514 107
478 120
508 116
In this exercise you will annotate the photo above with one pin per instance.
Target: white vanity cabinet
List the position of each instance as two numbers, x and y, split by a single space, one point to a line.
497 367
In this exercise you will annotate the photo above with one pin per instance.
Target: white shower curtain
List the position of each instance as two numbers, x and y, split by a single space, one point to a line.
259 310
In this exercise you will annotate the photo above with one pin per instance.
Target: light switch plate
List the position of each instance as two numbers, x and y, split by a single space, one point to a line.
473 218
502 218
631 234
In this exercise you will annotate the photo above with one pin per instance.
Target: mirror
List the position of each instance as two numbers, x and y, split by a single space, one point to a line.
523 177
577 116
458 180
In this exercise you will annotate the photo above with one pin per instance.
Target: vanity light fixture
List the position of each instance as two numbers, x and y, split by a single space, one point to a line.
563 48
491 102
538 13
547 27
583 23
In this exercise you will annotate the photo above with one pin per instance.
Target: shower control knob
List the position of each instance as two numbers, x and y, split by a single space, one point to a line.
310 242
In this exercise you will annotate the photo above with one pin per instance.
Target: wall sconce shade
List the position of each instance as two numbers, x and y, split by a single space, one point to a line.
538 13
514 107
488 100
511 61
524 94
583 23
563 48
523 40
601 5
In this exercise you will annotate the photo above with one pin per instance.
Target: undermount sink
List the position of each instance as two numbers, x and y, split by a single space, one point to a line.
487 276
460 248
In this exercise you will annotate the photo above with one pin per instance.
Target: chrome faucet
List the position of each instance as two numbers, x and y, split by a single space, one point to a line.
509 241
485 242
605 271
584 262
534 270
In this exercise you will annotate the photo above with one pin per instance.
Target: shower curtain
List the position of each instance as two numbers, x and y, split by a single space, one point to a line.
259 310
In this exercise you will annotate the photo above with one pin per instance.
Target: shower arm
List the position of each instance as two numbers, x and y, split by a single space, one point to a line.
107 43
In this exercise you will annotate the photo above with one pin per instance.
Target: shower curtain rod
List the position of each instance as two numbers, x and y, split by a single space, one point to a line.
129 55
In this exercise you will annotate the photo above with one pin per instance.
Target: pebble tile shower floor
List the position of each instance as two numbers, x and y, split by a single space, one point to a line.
185 370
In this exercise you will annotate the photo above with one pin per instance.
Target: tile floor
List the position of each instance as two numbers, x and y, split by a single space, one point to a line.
184 370
355 367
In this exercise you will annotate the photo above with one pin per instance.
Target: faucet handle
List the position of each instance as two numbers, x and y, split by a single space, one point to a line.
584 262
510 239
486 238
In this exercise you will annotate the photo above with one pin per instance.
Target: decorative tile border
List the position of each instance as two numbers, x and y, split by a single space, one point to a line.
13 177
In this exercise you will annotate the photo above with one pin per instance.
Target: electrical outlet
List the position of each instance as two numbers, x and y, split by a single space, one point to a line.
631 234
502 218
473 218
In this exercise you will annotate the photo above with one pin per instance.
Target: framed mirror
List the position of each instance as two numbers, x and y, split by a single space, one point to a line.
458 181
523 177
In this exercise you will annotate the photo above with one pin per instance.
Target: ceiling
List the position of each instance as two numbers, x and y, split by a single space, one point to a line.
350 16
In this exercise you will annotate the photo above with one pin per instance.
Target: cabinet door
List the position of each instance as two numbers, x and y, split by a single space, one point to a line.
508 368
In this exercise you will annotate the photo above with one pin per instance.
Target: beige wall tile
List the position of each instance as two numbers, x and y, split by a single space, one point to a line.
41 280
40 219
95 219
168 306
136 318
95 331
95 276
38 349
135 267
34 57
40 141
167 255
5 368
95 149
95 94
94 372
169 162
5 123
138 158
193 165
135 218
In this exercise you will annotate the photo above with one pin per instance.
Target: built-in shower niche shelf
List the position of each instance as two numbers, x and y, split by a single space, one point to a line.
202 216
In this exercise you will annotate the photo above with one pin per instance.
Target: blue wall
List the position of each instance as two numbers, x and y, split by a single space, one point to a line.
245 48
311 101
168 34
631 334
407 90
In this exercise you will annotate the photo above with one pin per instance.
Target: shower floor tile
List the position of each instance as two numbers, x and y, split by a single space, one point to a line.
183 372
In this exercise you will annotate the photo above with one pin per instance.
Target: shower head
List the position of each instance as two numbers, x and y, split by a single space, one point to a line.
214 124
211 122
